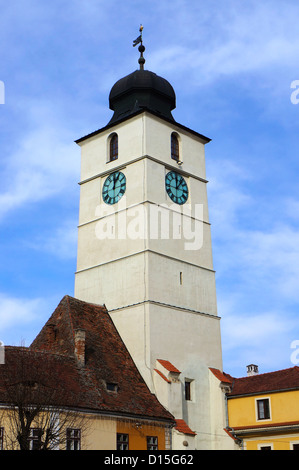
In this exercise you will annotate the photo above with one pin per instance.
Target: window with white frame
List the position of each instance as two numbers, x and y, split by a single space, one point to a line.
295 445
73 439
152 442
265 446
35 438
122 441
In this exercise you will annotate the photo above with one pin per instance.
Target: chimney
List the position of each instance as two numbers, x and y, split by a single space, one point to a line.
252 369
51 332
80 346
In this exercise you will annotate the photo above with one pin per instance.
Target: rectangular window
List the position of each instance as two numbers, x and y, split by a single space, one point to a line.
152 442
112 387
73 439
122 441
263 409
187 390
35 439
295 446
265 447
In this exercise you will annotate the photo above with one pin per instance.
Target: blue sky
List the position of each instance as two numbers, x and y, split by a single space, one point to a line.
232 65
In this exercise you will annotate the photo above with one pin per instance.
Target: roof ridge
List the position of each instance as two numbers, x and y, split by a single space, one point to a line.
267 373
82 301
67 297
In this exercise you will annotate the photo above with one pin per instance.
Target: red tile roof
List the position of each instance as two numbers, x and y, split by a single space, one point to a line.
169 366
162 375
107 360
287 379
183 427
221 376
294 424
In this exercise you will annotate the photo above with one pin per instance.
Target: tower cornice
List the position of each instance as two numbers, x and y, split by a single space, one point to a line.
204 139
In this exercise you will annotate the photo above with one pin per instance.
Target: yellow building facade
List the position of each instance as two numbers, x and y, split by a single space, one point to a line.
89 432
263 410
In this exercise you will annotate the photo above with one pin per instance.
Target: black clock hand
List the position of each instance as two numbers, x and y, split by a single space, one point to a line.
180 183
115 179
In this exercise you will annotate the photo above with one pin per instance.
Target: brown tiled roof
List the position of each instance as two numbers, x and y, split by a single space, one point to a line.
170 367
107 360
294 424
58 375
183 427
221 376
286 379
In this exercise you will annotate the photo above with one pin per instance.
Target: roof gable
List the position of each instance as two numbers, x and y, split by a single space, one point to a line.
107 361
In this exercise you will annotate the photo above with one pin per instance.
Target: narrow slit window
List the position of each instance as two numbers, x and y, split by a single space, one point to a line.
113 148
175 150
187 390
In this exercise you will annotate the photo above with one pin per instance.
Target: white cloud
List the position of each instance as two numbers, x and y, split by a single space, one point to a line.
219 42
44 163
19 317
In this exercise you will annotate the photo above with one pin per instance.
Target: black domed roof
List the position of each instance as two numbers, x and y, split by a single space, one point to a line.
141 89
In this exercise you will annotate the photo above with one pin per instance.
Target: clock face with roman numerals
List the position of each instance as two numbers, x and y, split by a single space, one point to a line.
114 187
176 187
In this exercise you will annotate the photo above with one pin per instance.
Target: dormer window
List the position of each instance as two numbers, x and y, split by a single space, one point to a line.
111 387
175 150
113 147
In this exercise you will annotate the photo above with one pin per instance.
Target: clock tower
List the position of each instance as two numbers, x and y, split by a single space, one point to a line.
144 249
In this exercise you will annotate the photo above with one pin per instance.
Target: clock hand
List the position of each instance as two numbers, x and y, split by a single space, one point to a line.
114 181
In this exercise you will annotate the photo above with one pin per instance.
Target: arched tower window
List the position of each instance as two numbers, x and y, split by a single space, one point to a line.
113 147
175 150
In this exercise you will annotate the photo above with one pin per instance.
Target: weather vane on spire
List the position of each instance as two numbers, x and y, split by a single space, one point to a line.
141 48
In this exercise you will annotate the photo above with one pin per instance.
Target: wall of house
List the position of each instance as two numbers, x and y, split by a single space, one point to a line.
242 411
138 432
280 442
100 434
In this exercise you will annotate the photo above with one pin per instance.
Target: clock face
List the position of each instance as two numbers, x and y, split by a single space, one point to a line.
176 187
114 187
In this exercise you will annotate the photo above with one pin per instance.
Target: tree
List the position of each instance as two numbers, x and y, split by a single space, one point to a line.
40 396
